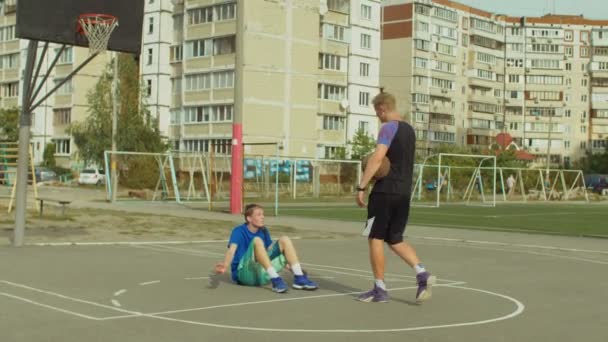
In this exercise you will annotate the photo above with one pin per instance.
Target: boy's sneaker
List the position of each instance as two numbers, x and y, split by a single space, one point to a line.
376 295
278 285
425 283
303 283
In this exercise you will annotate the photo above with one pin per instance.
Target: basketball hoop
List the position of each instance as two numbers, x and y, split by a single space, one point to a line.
97 28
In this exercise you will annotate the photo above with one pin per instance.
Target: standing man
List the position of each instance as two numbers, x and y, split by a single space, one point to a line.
389 201
510 184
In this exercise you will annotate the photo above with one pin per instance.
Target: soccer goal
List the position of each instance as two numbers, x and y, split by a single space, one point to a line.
173 176
455 178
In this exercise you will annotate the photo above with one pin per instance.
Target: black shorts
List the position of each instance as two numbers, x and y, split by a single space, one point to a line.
390 212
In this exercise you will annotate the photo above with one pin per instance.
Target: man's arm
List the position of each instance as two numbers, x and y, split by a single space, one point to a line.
222 266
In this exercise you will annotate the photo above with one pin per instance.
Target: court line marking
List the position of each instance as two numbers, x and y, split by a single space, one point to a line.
116 303
126 243
119 292
509 244
29 301
134 313
219 306
149 282
519 309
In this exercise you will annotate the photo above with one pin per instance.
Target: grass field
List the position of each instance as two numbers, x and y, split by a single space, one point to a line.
567 219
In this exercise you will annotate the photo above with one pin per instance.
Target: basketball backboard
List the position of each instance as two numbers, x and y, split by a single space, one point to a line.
56 21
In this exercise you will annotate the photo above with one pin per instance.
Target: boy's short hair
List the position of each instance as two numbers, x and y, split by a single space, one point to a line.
385 99
249 209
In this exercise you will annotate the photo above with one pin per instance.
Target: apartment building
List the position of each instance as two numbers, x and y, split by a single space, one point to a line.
305 72
465 75
303 77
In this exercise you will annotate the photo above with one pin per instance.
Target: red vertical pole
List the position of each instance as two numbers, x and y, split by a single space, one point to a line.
236 175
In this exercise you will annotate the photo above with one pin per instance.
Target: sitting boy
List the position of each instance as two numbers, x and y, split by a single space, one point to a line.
255 259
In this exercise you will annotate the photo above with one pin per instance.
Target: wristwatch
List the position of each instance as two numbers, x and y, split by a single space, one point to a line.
360 188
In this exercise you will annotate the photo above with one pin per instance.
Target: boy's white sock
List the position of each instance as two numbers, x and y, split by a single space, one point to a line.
297 269
419 268
380 283
272 272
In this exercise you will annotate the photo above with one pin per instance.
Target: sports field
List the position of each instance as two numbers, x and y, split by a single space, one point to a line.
576 219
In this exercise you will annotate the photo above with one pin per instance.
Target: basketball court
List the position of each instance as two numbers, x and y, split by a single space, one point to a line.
158 292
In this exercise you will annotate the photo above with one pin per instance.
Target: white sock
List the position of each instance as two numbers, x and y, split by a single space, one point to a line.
272 272
419 268
380 283
297 269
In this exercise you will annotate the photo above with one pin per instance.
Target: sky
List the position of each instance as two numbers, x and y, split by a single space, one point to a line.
591 9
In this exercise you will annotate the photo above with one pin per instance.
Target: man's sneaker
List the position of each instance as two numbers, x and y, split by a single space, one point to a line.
425 283
301 282
376 295
278 285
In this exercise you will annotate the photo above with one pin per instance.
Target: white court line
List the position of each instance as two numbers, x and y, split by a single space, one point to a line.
134 313
50 307
164 250
149 282
531 214
192 250
119 292
507 244
273 301
519 309
127 243
115 303
368 272
195 278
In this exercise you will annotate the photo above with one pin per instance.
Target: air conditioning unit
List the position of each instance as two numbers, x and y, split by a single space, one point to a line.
527 69
444 91
549 41
533 40
565 57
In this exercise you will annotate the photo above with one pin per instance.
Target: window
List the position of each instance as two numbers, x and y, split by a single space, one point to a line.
584 37
150 25
366 41
149 88
364 126
220 146
584 82
211 113
175 53
583 98
422 44
485 74
338 5
568 66
225 11
513 126
199 48
568 35
366 12
568 113
465 23
7 33
223 79
567 144
10 61
66 56
62 116
64 89
224 45
62 146
330 62
486 58
545 64
11 89
364 69
335 32
331 92
222 113
583 129
150 56
198 81
200 15
333 123
584 51
568 51
363 99
465 39
176 86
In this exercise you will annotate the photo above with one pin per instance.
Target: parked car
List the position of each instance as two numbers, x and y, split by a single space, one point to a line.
92 176
596 182
43 175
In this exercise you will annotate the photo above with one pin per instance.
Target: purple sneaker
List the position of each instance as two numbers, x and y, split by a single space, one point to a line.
376 295
425 283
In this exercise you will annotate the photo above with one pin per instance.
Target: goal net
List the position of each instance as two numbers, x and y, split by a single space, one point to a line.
455 178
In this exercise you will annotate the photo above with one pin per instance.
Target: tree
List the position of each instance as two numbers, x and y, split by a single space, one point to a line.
361 145
9 124
594 162
48 158
137 131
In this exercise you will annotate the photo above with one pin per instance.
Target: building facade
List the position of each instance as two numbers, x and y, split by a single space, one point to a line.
467 74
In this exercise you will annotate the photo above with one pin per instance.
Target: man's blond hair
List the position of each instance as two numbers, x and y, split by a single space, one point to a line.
385 99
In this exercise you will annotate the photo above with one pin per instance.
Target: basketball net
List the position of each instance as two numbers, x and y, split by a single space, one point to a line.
97 28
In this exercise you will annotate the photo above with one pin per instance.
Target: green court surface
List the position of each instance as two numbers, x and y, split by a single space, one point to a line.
576 219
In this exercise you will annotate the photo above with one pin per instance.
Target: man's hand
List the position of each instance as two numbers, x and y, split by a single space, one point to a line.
220 268
360 198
